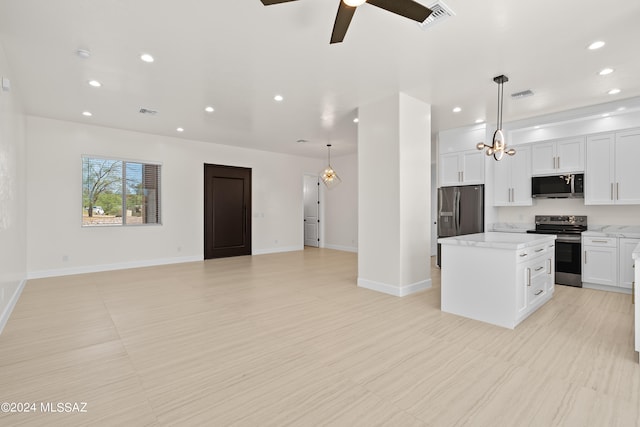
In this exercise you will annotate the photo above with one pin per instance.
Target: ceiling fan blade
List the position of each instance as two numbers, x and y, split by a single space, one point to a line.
407 8
343 19
270 2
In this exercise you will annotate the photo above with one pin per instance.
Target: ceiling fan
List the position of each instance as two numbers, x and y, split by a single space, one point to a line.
407 8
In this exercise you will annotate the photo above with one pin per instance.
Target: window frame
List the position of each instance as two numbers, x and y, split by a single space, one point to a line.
124 194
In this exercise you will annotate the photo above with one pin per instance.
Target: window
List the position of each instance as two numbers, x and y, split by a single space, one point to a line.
119 192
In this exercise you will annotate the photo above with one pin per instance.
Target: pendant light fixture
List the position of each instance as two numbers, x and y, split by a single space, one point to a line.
499 146
329 176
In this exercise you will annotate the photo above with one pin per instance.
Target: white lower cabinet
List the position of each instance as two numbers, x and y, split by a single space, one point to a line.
536 272
600 260
608 261
625 248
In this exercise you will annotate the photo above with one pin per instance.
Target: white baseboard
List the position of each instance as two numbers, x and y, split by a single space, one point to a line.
342 248
277 250
599 287
6 312
392 289
108 267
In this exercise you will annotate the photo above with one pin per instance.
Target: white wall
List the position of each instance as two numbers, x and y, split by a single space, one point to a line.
13 167
341 206
58 245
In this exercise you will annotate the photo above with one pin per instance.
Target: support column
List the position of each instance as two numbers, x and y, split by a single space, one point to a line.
394 190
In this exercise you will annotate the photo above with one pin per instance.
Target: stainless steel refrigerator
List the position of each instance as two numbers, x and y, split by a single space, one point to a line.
460 211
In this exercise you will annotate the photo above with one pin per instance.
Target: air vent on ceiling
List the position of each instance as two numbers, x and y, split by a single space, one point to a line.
148 111
440 12
522 94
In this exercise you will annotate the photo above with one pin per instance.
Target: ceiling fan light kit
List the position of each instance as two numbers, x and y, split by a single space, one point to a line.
347 8
498 147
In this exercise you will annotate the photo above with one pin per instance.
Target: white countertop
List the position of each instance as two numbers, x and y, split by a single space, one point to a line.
498 240
632 231
636 253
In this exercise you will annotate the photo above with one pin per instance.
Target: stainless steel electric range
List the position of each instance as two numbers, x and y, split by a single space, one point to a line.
568 230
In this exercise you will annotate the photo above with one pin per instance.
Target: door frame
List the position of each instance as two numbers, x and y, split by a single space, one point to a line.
321 211
230 172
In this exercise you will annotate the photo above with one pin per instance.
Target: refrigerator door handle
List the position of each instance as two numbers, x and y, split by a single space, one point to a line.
457 212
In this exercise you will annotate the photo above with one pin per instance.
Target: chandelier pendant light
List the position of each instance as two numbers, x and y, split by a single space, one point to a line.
498 147
329 176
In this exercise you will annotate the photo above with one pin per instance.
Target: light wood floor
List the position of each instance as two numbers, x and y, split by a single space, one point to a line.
288 339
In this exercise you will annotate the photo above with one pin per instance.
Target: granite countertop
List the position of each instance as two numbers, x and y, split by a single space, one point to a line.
632 231
497 240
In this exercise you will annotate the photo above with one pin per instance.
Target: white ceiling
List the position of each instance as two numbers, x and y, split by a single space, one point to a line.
237 54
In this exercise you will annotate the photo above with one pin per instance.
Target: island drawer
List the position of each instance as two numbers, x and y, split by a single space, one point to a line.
600 241
537 289
539 267
527 254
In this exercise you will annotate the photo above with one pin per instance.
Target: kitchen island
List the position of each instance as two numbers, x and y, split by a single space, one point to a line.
498 278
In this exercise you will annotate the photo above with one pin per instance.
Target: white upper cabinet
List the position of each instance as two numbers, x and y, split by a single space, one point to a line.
612 173
462 168
556 157
628 167
512 179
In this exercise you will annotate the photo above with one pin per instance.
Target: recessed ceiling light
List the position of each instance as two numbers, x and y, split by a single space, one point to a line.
596 45
457 109
356 120
83 53
537 127
480 121
302 141
278 98
180 129
614 91
354 3
605 71
146 57
209 109
94 83
87 113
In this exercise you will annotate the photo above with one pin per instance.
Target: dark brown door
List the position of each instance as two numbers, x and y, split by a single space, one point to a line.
227 211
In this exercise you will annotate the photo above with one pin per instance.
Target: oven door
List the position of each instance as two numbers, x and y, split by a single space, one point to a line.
569 260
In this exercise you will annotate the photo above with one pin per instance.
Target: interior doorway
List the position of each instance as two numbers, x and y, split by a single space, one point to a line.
227 211
311 211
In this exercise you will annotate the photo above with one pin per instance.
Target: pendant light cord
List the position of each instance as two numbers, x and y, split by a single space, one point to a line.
500 99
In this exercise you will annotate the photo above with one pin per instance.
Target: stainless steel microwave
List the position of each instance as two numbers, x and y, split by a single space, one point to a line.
565 186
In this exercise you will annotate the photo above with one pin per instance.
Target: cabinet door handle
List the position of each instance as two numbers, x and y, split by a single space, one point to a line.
539 268
558 162
599 241
513 194
617 191
585 257
462 176
539 292
528 277
549 266
612 191
540 250
523 255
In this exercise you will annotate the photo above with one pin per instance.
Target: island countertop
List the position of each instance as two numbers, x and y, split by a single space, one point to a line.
497 240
